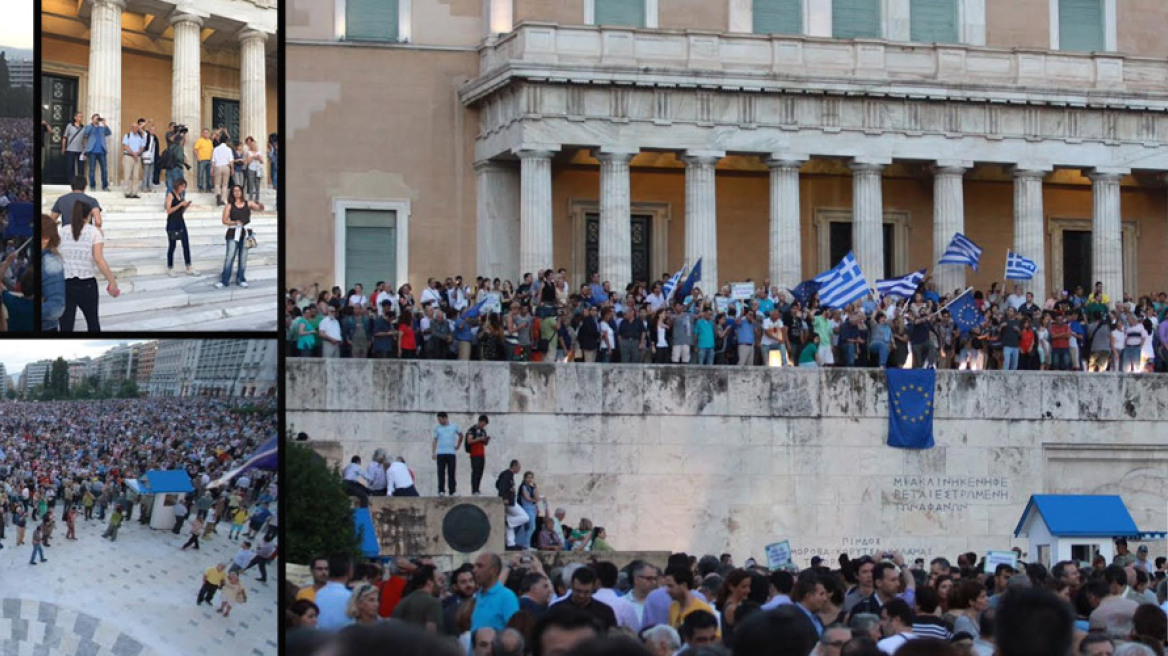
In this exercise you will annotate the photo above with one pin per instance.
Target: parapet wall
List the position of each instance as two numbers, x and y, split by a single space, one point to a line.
714 459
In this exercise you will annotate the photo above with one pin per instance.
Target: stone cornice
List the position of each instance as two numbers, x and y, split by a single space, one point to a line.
798 64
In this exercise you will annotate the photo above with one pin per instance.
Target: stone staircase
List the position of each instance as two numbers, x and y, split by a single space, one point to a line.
135 248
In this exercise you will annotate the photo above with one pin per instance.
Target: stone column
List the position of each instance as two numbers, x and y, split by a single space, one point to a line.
868 219
948 218
186 86
500 16
741 16
616 240
701 215
1029 228
786 254
253 89
105 77
535 208
1107 233
497 212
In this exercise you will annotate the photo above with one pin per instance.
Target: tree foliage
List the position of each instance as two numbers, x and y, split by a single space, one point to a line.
320 518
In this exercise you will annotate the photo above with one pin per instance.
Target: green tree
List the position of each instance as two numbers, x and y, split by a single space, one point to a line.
12 396
59 379
128 390
321 521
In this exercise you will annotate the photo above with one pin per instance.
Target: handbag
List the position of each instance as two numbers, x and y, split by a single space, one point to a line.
251 240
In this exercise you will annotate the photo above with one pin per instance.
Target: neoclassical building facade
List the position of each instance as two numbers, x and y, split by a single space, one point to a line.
766 137
201 64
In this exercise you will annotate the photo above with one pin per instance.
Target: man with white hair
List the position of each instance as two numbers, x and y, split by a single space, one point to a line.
662 640
375 474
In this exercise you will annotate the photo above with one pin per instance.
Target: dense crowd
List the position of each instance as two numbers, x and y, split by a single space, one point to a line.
79 460
871 605
16 135
548 319
15 187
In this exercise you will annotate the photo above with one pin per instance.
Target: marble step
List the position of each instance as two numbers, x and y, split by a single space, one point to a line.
129 263
241 315
199 293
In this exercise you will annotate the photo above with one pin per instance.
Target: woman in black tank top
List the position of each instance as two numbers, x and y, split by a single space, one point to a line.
237 215
176 227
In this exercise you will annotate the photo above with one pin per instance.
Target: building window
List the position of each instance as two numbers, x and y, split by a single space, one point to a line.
933 21
851 19
778 16
374 20
630 13
1081 25
372 242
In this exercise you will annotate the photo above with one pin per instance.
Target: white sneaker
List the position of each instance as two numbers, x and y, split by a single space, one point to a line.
219 285
192 272
243 284
171 273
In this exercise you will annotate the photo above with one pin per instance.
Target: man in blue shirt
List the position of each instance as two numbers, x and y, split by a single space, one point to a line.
95 150
494 602
744 332
704 331
332 599
810 596
447 441
132 146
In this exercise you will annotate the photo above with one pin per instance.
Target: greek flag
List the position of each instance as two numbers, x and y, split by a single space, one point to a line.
1018 267
671 284
904 286
961 251
842 285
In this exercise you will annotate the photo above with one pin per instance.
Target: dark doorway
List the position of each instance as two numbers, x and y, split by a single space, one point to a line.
641 233
1077 260
841 243
58 104
226 113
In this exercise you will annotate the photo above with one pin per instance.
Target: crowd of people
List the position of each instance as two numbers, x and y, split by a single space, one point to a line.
16 282
545 318
867 606
67 462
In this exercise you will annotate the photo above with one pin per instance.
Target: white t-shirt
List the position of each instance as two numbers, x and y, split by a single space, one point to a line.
431 295
607 338
655 301
222 155
890 644
398 476
358 299
1016 300
77 255
769 324
1118 336
331 327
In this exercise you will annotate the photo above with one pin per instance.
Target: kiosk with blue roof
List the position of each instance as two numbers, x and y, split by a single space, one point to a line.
1076 527
167 487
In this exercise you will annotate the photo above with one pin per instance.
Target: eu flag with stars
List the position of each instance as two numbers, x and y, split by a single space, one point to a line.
911 396
965 313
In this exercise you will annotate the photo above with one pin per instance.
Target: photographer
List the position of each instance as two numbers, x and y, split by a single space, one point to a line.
177 159
95 150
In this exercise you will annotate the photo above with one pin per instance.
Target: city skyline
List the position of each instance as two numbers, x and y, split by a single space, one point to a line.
15 355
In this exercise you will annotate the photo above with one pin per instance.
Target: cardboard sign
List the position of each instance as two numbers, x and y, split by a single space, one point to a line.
494 303
741 291
995 558
778 554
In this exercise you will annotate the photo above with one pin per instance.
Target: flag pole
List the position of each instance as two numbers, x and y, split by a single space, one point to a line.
946 306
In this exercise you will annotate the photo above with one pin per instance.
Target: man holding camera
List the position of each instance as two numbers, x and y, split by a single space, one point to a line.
95 150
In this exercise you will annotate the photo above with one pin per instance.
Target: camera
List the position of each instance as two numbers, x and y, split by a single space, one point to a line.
180 129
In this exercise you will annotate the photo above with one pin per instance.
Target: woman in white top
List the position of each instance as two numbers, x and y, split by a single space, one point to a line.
255 170
81 251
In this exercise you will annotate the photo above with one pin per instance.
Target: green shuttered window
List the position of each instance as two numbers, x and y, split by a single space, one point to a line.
778 16
371 20
1081 25
370 246
620 12
855 18
933 21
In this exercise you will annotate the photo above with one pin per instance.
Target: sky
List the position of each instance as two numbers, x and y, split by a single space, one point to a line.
15 353
16 27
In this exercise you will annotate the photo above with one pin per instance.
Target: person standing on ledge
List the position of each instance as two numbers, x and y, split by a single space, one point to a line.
476 445
447 441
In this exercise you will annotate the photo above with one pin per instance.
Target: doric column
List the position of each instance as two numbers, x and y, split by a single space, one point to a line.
500 16
1107 233
535 208
701 215
253 103
948 218
616 245
186 85
868 219
741 16
497 212
786 254
1029 227
105 75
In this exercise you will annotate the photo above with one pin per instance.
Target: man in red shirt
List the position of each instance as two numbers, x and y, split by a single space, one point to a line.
476 446
1060 343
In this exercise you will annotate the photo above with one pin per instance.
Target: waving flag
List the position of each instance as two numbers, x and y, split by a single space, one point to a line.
265 457
911 396
1018 267
804 291
474 311
961 251
693 278
904 286
671 284
965 313
842 285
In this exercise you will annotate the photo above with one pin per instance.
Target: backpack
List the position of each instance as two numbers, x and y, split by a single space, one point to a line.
166 160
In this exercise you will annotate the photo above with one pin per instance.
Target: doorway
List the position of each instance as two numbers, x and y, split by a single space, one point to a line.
226 115
641 241
841 243
1077 260
58 105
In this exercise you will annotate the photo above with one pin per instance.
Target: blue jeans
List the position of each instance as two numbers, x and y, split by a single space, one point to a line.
37 550
524 533
175 238
234 248
1060 359
849 355
1130 359
705 356
1010 357
879 350
94 159
172 176
204 175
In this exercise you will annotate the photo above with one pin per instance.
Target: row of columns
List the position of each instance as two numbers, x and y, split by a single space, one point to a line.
105 76
785 266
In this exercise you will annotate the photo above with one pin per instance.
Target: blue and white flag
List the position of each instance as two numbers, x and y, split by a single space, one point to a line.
1018 267
842 285
904 286
694 277
671 284
474 311
961 251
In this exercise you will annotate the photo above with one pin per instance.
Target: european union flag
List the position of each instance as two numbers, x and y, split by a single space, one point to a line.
911 395
695 276
805 291
965 313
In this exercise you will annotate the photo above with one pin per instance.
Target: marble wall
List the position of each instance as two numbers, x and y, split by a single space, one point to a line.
715 459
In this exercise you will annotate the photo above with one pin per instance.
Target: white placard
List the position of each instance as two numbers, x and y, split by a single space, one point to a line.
741 291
